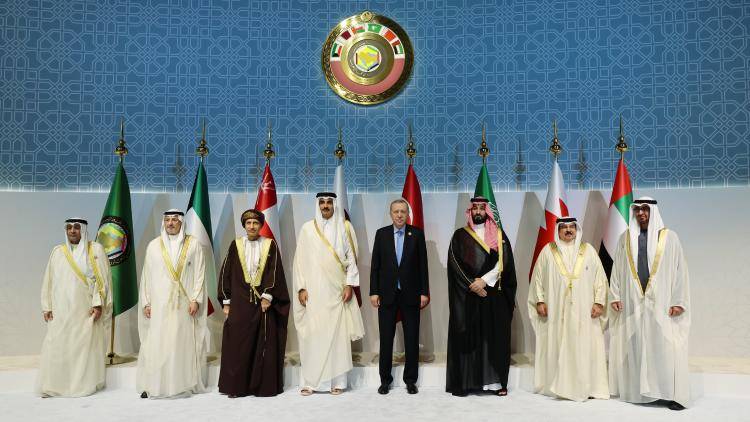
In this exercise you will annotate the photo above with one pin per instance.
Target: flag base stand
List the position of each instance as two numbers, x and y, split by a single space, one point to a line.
400 357
115 359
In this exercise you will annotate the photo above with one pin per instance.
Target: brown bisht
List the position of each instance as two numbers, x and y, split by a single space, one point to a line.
478 327
253 343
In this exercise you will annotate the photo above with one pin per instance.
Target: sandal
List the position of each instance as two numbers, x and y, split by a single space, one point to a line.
307 391
502 392
336 391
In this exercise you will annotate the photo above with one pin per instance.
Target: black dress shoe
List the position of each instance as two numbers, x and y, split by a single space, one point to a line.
144 395
383 389
412 388
673 405
461 393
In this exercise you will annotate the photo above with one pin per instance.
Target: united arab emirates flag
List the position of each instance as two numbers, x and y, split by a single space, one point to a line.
115 234
617 217
198 224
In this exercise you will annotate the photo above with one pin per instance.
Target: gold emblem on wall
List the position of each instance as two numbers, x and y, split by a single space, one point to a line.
367 59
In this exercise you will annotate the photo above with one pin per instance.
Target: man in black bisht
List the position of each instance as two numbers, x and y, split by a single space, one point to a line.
481 296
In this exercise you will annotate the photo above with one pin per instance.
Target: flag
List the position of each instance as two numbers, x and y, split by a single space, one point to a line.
617 216
267 204
413 196
554 208
198 224
115 234
339 187
484 189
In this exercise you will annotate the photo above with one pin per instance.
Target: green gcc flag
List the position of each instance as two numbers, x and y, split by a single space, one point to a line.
116 236
484 189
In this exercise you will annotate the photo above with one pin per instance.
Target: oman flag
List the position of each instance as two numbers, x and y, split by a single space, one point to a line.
617 217
266 203
554 208
413 195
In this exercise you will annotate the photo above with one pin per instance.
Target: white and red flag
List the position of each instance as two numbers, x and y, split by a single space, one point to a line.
266 203
554 208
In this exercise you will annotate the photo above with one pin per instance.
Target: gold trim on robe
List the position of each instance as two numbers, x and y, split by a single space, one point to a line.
253 280
486 248
98 282
328 245
577 267
176 273
657 259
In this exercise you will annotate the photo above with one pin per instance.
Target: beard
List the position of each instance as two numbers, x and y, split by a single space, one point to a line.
478 219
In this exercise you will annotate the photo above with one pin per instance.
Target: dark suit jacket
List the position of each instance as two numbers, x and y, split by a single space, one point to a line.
412 273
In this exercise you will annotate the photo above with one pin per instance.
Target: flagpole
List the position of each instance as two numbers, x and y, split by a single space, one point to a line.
621 146
411 152
484 151
556 149
202 150
340 152
121 151
269 152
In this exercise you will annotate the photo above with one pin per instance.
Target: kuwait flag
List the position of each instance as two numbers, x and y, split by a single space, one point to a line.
554 208
484 189
266 203
413 195
198 224
339 187
618 215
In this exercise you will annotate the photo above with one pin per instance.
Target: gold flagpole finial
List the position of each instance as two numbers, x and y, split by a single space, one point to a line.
621 146
411 152
202 150
269 152
484 151
340 152
556 149
121 149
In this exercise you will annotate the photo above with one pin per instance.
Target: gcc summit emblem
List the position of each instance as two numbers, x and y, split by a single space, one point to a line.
367 58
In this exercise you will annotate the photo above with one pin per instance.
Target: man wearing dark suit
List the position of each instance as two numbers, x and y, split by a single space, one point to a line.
399 284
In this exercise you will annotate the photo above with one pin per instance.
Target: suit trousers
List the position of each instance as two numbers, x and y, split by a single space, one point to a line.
387 325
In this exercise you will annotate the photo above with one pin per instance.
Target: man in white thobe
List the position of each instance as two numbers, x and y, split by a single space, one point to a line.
172 321
326 317
77 308
567 307
650 294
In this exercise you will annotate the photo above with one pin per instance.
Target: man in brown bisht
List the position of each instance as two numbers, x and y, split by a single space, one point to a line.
252 288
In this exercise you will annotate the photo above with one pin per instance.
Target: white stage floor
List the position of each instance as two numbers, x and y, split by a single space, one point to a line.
432 404
722 394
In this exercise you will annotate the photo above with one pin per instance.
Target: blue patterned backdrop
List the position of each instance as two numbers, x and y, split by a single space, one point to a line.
677 70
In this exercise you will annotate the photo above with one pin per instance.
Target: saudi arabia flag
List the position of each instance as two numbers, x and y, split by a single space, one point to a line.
198 224
484 189
617 217
115 234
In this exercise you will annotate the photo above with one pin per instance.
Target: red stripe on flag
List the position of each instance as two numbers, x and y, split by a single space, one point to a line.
622 183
